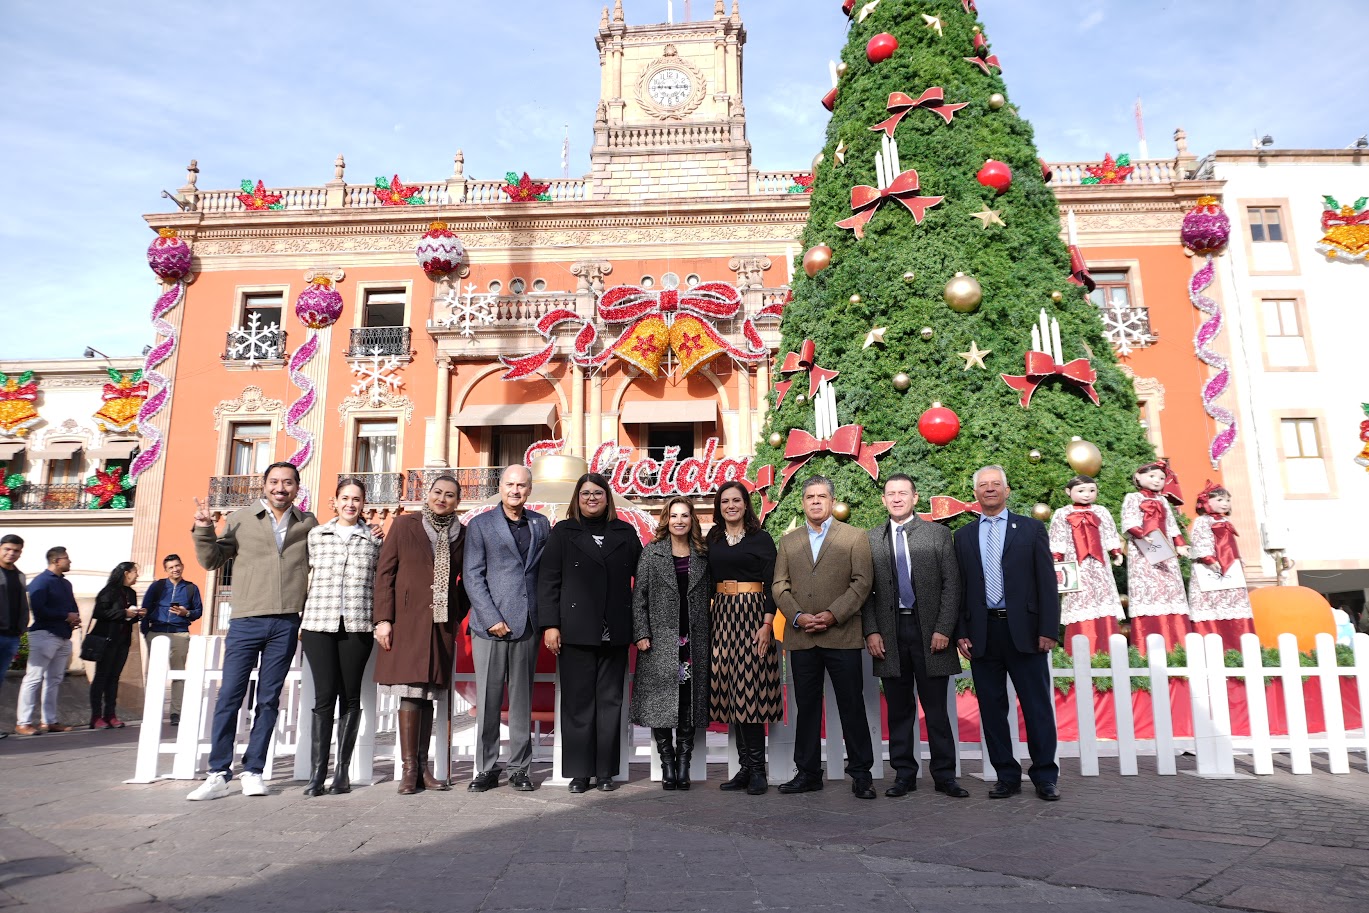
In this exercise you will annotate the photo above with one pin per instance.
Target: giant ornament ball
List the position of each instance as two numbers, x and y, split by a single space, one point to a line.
881 47
169 255
1206 227
319 305
1083 457
938 425
817 259
995 174
439 251
963 294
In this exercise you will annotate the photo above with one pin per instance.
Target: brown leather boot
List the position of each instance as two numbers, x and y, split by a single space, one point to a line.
409 725
425 735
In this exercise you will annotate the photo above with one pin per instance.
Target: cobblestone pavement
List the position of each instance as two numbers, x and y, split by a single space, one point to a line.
74 838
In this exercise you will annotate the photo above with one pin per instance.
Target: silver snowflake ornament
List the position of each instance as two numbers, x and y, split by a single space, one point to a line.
254 342
378 374
1127 328
468 310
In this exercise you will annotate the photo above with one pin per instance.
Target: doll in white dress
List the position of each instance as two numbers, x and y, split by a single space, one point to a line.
1218 601
1086 534
1157 601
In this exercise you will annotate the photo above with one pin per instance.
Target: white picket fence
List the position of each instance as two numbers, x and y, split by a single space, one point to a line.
1212 743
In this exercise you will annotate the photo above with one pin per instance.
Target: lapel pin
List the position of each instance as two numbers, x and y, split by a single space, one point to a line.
1014 526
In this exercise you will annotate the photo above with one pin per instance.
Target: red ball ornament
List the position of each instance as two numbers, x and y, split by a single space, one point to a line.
938 425
995 174
881 47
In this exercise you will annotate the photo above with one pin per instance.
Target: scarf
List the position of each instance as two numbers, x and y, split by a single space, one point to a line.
445 528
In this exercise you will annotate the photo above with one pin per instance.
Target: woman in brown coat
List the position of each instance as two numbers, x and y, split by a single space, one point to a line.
419 605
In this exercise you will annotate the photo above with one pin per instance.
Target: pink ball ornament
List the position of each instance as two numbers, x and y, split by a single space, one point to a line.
439 251
1206 227
938 425
320 305
995 174
881 47
169 255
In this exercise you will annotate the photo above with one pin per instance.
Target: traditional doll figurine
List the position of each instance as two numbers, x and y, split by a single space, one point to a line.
1158 603
1218 602
1081 533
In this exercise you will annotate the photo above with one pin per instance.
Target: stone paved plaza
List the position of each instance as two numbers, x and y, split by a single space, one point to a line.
74 838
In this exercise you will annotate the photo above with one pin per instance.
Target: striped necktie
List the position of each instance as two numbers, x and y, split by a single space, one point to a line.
993 564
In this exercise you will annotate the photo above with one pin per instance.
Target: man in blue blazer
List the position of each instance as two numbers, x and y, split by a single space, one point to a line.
503 550
1009 623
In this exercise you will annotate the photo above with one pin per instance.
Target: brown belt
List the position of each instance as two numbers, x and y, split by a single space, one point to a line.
733 587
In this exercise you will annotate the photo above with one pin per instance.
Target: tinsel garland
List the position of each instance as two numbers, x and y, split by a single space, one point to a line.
1217 384
166 302
299 408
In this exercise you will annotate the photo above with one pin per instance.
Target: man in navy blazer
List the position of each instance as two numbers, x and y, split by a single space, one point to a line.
1009 623
503 549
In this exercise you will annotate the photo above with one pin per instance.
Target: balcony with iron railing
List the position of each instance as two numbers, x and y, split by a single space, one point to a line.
477 482
58 496
383 489
231 492
366 341
246 347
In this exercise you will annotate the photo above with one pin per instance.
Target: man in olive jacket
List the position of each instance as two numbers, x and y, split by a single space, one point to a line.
823 575
268 543
909 621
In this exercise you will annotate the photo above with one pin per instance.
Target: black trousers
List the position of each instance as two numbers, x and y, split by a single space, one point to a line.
847 673
104 685
901 696
337 661
591 709
1031 676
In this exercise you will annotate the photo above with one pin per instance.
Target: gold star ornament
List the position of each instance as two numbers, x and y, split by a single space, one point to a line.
866 10
933 23
839 154
988 217
975 357
876 335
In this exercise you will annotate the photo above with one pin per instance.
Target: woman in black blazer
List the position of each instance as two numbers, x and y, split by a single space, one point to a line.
584 605
116 614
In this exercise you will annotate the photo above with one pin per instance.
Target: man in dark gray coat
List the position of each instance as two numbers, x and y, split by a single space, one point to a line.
909 620
503 550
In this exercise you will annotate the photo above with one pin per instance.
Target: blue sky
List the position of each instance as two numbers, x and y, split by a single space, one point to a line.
102 105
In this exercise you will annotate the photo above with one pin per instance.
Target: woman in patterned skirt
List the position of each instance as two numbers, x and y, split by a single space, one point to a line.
745 675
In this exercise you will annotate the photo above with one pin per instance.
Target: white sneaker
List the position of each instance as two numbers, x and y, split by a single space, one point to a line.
252 784
215 786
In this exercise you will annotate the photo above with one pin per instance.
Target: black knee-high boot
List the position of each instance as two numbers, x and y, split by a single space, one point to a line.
321 742
346 742
743 775
667 753
684 753
755 747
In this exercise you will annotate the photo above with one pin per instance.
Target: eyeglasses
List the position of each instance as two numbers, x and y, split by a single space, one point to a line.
591 495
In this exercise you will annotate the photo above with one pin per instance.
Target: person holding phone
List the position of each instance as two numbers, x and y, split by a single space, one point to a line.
170 606
116 612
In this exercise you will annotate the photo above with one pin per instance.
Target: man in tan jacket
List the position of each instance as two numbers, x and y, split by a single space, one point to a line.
823 574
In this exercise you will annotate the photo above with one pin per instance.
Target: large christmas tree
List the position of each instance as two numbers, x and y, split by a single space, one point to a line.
904 201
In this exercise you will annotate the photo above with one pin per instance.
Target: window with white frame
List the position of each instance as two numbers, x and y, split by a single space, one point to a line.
383 307
1266 224
376 446
1285 342
256 334
249 450
1304 465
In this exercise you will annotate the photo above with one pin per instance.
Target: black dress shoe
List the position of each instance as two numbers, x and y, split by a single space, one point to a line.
863 788
900 788
802 784
484 781
175 719
578 784
1002 790
520 781
953 789
1048 791
605 785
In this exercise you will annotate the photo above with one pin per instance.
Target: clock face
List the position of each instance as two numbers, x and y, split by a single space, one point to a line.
669 88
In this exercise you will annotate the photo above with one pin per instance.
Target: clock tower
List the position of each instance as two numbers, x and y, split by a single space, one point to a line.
670 120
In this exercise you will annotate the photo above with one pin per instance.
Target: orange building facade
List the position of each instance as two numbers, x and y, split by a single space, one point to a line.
410 380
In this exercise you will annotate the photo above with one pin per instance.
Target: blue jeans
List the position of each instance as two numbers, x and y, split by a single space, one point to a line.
270 639
9 649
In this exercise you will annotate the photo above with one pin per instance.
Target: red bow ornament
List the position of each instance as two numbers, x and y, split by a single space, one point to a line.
805 359
1041 366
765 477
1088 543
802 447
984 63
900 104
1224 545
944 507
866 200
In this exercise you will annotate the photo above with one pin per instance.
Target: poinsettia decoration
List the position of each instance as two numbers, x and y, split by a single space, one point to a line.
1346 229
9 487
258 197
107 489
393 193
803 183
525 189
1110 171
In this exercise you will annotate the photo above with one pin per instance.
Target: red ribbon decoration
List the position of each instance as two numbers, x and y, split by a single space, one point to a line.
805 359
866 200
944 507
621 304
802 447
1079 270
1088 543
1224 544
114 391
765 477
1153 514
933 99
1041 366
985 62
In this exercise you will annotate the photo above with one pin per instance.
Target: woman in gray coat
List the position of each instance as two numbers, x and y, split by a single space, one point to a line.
670 623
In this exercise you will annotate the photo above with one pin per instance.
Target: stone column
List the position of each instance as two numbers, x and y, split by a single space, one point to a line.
439 440
594 431
762 392
575 437
745 436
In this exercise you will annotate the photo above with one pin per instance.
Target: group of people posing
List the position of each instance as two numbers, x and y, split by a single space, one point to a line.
704 614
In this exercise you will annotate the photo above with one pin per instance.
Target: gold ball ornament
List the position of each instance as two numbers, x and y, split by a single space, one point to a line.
1126 601
1057 296
817 160
842 511
927 334
902 381
841 69
963 294
996 101
801 398
1034 456
1083 457
909 277
1041 511
816 259
854 299
775 439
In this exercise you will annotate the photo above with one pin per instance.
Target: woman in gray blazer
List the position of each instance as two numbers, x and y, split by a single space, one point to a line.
670 624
